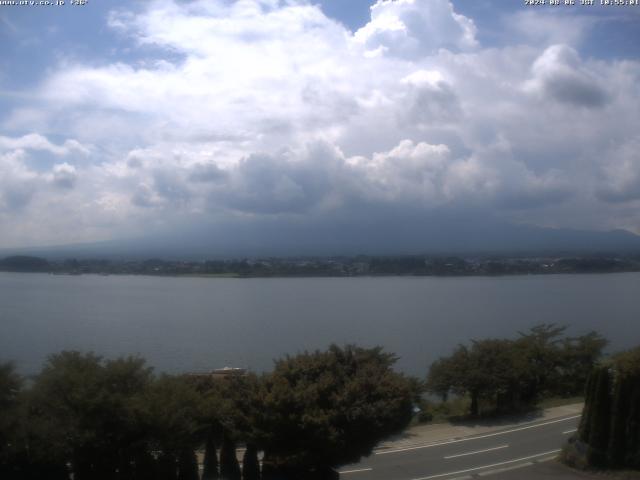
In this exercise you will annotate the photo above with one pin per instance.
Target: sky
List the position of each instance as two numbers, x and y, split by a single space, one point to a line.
124 119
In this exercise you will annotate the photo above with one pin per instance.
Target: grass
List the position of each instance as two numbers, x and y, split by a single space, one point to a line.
457 408
559 402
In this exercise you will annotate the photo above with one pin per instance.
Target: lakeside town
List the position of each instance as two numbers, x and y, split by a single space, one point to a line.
343 266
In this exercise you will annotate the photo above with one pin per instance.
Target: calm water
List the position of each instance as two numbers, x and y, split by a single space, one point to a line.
182 324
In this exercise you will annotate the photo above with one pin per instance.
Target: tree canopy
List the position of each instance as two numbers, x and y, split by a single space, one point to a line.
512 373
337 404
101 419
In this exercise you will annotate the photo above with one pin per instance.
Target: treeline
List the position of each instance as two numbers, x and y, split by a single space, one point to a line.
609 432
87 418
418 265
506 375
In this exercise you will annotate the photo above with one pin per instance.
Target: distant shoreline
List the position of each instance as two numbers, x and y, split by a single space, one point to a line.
333 267
303 276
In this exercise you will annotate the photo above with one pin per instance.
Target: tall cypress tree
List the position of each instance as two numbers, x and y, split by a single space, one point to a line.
229 466
619 418
250 464
632 454
188 465
210 459
145 466
167 467
600 420
587 411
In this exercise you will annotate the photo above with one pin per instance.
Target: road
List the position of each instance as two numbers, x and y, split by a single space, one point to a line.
467 457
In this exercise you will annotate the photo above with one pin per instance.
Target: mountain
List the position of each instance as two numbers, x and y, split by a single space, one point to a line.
417 234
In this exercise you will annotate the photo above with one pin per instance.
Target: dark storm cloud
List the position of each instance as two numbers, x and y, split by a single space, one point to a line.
64 176
206 173
271 185
575 90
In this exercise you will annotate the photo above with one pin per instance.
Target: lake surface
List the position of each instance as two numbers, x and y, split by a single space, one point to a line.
190 324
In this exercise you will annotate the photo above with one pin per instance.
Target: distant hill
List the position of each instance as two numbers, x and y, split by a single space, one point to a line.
408 234
24 263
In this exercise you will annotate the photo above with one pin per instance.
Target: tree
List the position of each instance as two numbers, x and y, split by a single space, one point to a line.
578 356
188 465
10 450
210 470
170 411
600 420
250 463
83 409
330 408
512 374
229 466
610 426
488 370
539 348
445 374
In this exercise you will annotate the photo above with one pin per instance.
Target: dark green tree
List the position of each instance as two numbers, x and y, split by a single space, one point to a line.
188 465
540 350
210 470
83 408
325 409
601 418
229 466
578 356
621 402
250 463
610 426
170 411
12 444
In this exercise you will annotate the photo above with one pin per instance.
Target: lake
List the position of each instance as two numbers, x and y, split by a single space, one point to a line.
193 324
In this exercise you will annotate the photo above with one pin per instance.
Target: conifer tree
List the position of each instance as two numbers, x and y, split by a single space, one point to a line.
229 466
619 417
210 459
188 465
587 411
250 464
600 420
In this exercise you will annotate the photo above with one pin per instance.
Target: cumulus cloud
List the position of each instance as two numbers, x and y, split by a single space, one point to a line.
559 76
262 109
64 175
18 183
34 141
622 173
548 26
414 28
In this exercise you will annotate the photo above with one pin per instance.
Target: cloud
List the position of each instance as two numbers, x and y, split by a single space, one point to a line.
64 175
414 28
18 183
34 141
548 27
267 109
621 174
559 76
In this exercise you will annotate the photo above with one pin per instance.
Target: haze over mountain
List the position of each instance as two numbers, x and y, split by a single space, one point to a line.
253 127
417 234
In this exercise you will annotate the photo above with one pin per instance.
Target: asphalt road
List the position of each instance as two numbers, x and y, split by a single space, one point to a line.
469 456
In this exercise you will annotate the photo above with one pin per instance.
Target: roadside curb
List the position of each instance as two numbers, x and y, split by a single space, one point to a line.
399 445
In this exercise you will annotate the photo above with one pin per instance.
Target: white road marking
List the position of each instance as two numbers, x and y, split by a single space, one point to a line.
477 451
355 471
570 431
486 466
385 452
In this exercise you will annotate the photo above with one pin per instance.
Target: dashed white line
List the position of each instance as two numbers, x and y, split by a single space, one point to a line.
567 432
406 449
477 451
487 466
344 472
